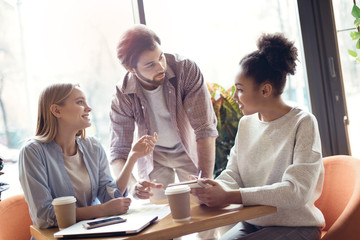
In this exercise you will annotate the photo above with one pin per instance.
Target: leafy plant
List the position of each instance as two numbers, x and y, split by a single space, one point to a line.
228 115
1 165
3 186
355 35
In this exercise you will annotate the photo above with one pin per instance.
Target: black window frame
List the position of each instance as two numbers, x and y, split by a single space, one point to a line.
324 73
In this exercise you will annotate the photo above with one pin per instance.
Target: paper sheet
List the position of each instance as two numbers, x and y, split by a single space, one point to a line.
160 210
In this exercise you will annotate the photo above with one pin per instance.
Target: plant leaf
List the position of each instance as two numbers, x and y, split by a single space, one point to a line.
358 44
355 11
357 22
352 53
219 88
355 35
217 107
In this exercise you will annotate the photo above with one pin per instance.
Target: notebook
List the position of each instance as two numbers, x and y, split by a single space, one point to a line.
132 225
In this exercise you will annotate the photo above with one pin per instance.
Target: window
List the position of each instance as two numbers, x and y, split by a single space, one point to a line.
44 42
350 69
217 34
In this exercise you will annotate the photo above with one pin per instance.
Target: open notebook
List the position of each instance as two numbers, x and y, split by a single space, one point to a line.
138 218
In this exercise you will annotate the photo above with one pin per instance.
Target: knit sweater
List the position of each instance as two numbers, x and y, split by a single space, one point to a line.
278 163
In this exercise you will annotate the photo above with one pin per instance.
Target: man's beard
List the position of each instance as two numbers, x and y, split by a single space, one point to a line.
150 81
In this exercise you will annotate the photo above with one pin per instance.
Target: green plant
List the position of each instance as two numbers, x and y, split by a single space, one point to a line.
228 115
355 35
1 165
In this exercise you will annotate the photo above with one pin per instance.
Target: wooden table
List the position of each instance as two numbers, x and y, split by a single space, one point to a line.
202 218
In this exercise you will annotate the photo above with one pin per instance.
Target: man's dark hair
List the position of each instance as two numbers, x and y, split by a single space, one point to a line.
133 42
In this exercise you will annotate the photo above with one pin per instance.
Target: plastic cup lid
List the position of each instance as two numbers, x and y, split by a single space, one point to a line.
64 200
177 189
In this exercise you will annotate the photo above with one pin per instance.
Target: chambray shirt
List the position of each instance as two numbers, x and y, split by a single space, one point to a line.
43 177
189 104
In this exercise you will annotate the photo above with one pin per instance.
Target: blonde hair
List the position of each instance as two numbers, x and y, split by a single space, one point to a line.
47 128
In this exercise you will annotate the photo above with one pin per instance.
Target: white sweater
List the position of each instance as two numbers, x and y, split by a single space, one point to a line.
278 163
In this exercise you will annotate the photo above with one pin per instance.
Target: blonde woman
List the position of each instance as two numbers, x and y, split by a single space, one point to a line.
61 161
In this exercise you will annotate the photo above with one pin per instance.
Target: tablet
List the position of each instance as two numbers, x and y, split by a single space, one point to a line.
196 183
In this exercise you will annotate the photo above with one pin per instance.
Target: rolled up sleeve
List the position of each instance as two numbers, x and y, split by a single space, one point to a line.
197 102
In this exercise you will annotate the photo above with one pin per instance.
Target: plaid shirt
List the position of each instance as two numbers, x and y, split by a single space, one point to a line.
189 104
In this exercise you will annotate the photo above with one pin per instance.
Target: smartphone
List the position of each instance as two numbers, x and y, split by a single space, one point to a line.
103 222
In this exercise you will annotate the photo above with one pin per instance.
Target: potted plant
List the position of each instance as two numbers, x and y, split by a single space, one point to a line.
228 115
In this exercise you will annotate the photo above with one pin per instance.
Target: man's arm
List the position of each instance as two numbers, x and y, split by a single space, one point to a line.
200 111
206 155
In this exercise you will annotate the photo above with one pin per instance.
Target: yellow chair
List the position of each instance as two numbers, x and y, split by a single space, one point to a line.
15 219
340 198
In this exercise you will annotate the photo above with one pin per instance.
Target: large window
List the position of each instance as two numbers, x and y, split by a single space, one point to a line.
217 34
350 69
44 42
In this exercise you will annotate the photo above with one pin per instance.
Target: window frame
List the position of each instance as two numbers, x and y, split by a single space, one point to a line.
324 73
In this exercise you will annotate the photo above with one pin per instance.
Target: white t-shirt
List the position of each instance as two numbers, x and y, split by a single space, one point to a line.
160 121
79 176
278 163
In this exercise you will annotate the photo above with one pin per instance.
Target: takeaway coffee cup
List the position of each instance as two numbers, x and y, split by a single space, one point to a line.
179 201
65 211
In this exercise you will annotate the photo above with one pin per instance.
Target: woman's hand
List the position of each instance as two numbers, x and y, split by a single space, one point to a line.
116 206
215 195
144 146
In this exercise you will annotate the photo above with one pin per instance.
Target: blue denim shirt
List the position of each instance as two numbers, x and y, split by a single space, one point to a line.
43 177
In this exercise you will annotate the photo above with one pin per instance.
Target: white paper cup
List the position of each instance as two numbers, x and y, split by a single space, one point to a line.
65 211
179 201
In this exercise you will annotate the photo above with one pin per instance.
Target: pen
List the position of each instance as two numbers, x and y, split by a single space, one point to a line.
199 174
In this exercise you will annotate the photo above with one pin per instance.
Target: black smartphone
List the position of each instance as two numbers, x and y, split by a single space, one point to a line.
103 222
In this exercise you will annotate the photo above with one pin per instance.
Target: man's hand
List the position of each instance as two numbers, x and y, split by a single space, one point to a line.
144 146
142 189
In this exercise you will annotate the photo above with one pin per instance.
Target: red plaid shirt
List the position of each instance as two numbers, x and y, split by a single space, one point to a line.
189 104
